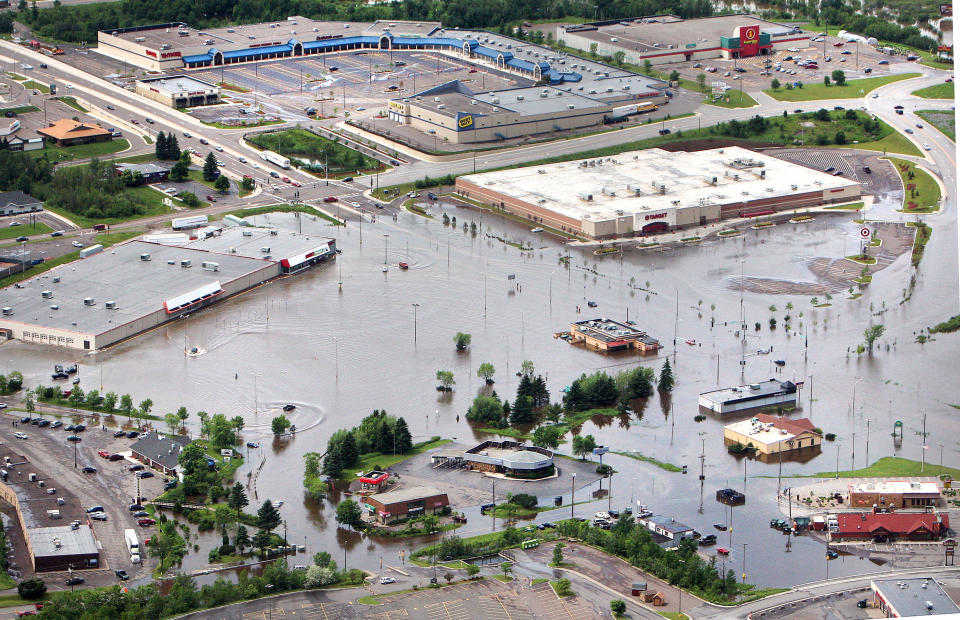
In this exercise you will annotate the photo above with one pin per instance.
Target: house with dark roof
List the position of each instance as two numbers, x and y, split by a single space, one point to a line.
149 173
17 202
160 451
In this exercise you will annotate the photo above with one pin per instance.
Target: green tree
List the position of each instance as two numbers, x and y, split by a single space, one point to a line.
401 433
618 57
674 76
322 559
445 377
526 368
472 570
839 77
28 402
775 84
247 184
702 81
506 567
180 171
268 517
583 445
31 589
279 425
871 334
237 422
333 462
486 409
182 415
173 146
349 514
666 377
522 412
826 80
145 406
15 381
486 372
261 540
109 402
210 169
238 498
647 66
839 138
189 199
242 540
462 340
547 437
76 396
558 554
160 146
222 184
172 422
618 607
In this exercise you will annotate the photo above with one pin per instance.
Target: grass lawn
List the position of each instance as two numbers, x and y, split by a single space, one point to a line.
571 420
245 125
14 600
152 202
539 580
24 109
306 145
853 89
81 151
285 208
378 460
136 159
943 120
851 207
15 76
673 615
891 466
733 99
893 142
652 461
106 239
43 88
24 229
926 196
920 241
197 175
937 91
72 102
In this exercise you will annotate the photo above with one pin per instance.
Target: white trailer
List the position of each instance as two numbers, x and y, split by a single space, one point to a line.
193 221
133 545
275 158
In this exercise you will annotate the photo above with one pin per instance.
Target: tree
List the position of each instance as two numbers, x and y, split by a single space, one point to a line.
647 66
268 517
261 540
462 341
237 422
775 84
109 402
145 406
319 576
583 445
486 372
558 554
238 498
350 514
383 441
522 412
247 184
826 80
618 607
593 49
279 425
639 383
839 77
242 540
222 184
28 403
871 334
321 559
182 415
31 589
618 57
486 409
674 76
506 567
76 396
702 81
472 570
402 437
526 368
547 437
430 523
445 377
666 378
190 199
333 462
180 171
173 146
840 138
222 432
172 422
160 146
448 576
210 169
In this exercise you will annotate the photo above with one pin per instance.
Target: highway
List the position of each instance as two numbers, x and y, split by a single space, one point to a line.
129 107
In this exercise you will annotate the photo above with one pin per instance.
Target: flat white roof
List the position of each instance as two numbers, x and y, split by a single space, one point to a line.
632 177
760 432
895 486
178 84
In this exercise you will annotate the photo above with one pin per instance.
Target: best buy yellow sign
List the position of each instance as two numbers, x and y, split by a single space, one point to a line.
465 121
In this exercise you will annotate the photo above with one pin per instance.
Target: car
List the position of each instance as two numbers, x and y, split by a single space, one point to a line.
137 467
602 515
242 160
211 198
908 130
726 74
203 141
592 304
709 539
898 107
829 169
171 191
141 513
843 60
92 509
119 433
14 224
919 126
348 179
172 484
21 239
254 165
723 551
274 174
115 457
334 68
867 169
664 132
135 507
75 580
948 80
739 69
838 107
145 474
35 421
285 179
74 438
926 147
121 574
149 120
846 52
77 244
218 148
828 59
89 470
134 121
146 522
28 612
80 428
793 49
884 62
187 134
798 111
220 162
19 435
103 453
132 434
330 199
832 555
838 44
385 580
110 107
41 423
296 184
25 420
56 424
361 109
867 70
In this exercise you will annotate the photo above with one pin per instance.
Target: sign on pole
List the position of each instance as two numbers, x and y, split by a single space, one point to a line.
864 233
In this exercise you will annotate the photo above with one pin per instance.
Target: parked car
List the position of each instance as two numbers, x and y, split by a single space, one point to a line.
140 513
89 470
132 434
385 580
115 457
137 467
103 453
56 424
211 198
21 239
135 507
93 509
74 438
145 474
75 580
19 435
119 433
252 444
121 574
330 199
146 522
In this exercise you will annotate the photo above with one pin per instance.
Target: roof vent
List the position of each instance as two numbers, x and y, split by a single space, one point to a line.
89 301
111 305
7 311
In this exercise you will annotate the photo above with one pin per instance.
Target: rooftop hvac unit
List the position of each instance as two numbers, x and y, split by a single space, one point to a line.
166 46
609 90
210 265
763 174
111 305
265 249
793 187
613 39
519 97
662 189
608 191
544 95
7 311
473 102
274 233
89 301
47 294
496 101
570 106
633 188
619 211
437 99
584 196
186 263
32 477
545 91
145 256
711 180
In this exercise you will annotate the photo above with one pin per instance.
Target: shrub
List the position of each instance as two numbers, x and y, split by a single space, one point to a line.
31 589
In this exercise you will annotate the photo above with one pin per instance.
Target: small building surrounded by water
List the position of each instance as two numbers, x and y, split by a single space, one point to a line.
405 503
770 393
610 335
771 434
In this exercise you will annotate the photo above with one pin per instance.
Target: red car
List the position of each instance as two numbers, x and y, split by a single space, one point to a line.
330 199
723 551
473 70
103 453
295 184
838 44
146 522
285 179
247 176
211 198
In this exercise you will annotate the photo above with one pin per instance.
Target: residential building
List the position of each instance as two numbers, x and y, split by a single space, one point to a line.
17 202
667 527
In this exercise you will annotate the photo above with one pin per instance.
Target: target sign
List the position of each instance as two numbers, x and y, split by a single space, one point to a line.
864 233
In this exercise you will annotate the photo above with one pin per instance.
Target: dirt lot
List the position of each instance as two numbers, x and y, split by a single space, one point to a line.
114 487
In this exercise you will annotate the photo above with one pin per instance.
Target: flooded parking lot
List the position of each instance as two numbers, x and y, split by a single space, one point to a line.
338 353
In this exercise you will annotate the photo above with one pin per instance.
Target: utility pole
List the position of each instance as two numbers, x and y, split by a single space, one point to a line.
703 457
867 464
923 447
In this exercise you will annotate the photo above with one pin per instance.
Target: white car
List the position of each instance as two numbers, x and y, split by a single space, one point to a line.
926 147
602 515
386 580
361 109
219 148
3 405
77 244
19 435
874 95
254 165
242 159
171 191
793 49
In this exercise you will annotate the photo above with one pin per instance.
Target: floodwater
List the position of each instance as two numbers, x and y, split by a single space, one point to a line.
339 354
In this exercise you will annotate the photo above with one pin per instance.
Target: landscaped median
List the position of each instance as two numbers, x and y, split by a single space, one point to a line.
285 208
921 192
937 91
943 120
851 89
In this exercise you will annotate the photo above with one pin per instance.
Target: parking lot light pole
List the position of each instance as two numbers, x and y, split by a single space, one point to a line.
415 306
573 480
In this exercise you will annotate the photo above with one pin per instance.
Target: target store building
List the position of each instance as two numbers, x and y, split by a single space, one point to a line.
662 39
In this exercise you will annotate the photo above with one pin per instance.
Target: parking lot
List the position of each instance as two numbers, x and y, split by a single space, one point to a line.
112 486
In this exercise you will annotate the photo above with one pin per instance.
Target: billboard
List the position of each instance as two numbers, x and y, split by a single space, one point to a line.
464 121
749 40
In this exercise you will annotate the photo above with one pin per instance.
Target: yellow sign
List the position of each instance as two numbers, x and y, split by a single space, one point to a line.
465 121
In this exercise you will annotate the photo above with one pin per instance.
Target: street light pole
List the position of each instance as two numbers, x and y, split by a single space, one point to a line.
573 480
415 306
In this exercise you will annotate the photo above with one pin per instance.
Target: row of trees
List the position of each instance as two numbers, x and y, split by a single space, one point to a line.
378 432
11 383
167 146
601 390
108 403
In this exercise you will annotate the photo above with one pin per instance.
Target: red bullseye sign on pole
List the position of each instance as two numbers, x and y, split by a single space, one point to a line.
864 233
